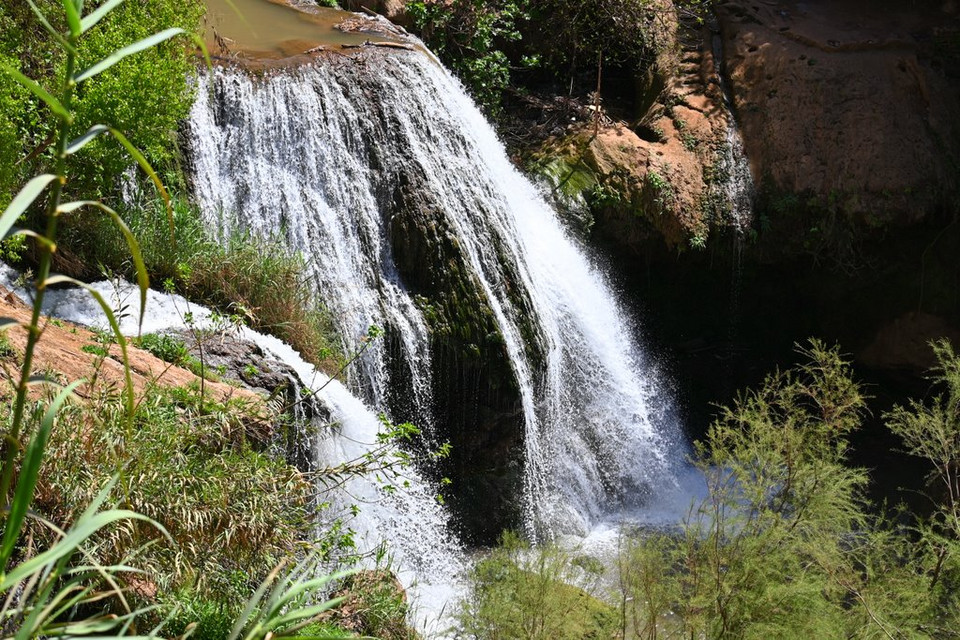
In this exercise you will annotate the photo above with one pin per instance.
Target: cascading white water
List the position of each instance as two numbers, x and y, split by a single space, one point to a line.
739 187
314 152
410 521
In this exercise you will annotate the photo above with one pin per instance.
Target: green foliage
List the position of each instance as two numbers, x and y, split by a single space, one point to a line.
172 453
209 619
931 431
469 35
521 592
166 347
373 605
119 96
265 283
95 349
7 349
784 545
485 41
193 465
174 350
572 32
39 588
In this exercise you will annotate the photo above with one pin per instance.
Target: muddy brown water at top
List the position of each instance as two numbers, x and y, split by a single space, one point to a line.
265 29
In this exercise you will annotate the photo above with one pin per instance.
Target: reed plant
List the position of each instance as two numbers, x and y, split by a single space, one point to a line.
53 584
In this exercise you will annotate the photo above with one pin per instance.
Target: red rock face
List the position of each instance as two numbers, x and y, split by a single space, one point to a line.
855 102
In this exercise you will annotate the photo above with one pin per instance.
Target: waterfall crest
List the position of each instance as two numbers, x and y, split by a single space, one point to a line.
319 154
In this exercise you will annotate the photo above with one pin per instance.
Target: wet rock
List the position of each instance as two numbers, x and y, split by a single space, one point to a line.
478 400
903 344
244 362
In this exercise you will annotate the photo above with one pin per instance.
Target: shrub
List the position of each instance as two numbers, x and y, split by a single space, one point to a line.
469 35
784 544
149 111
522 592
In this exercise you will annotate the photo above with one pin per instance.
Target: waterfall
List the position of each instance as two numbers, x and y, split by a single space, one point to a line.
739 187
318 152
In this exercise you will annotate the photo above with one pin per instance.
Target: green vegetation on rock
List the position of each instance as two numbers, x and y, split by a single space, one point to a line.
485 42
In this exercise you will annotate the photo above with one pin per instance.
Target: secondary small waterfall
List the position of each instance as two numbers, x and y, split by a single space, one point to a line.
739 188
316 153
410 521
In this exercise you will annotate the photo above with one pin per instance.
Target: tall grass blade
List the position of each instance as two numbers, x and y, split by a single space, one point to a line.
79 143
77 535
149 170
98 14
39 239
143 280
253 603
73 16
129 50
23 200
29 473
304 614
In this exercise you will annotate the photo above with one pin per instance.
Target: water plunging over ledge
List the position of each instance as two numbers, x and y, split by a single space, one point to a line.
739 187
317 153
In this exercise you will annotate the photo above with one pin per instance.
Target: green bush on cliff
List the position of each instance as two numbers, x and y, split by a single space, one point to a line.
485 41
469 36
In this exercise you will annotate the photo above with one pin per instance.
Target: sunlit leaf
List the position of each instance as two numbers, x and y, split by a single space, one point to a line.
73 16
82 530
98 14
79 143
23 200
37 90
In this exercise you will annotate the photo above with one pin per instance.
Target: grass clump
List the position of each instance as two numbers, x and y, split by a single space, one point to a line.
193 465
374 605
259 280
174 350
7 350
